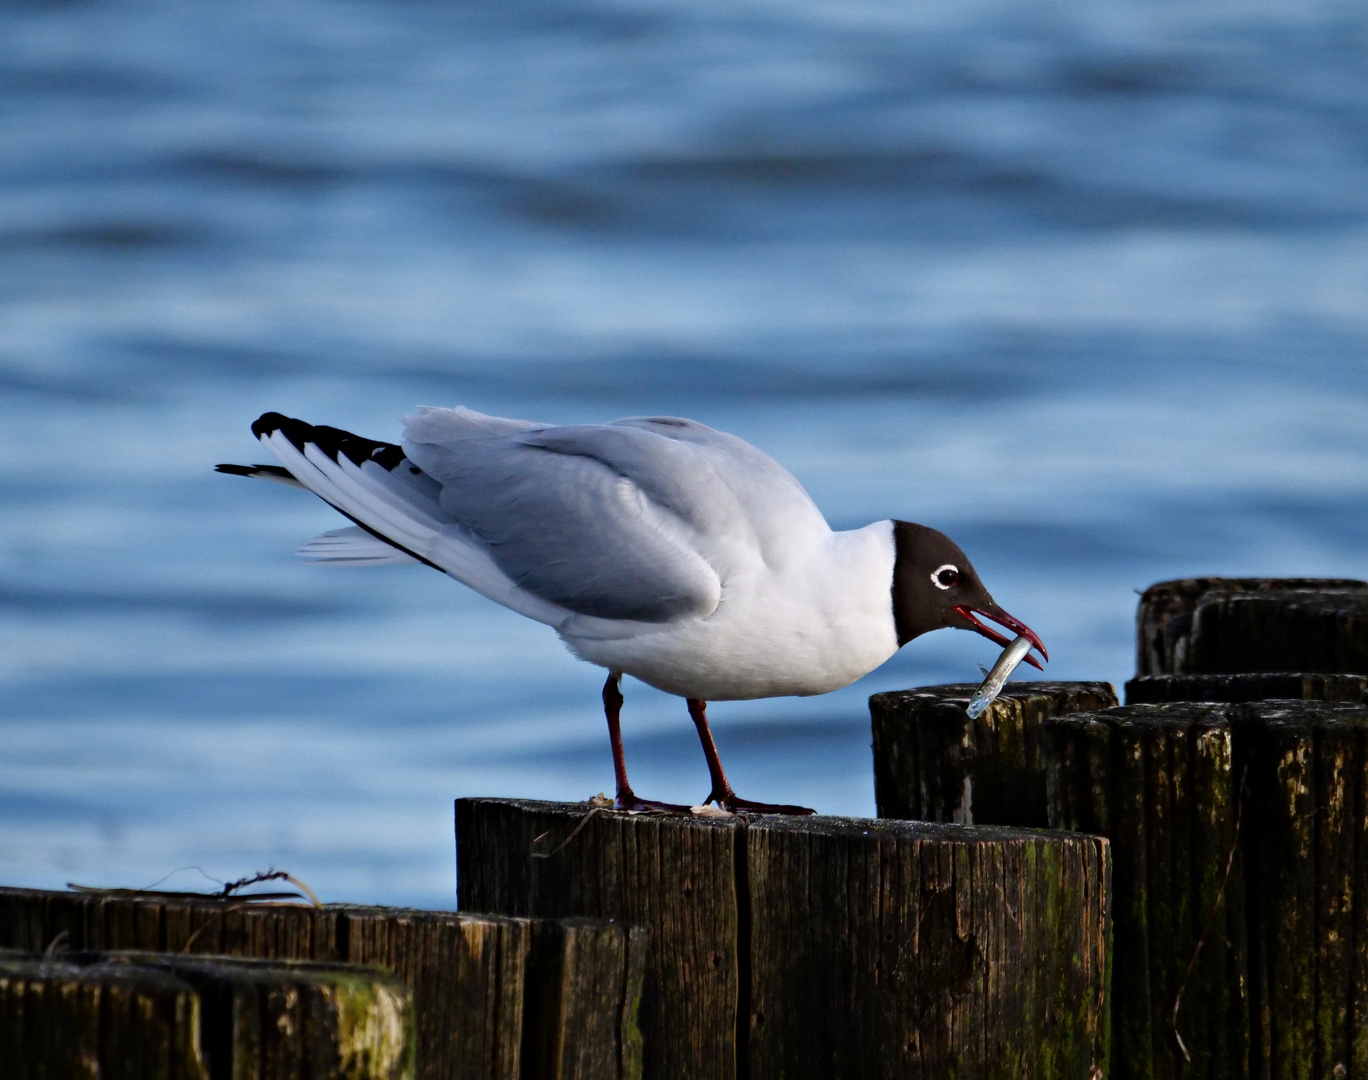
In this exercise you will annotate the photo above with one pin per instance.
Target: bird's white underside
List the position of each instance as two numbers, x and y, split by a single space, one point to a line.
781 604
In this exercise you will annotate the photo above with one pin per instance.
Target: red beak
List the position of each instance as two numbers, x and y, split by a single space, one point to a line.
1013 624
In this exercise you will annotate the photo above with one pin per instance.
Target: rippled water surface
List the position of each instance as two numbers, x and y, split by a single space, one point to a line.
1083 283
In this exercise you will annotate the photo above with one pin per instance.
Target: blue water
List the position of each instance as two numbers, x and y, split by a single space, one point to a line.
1083 283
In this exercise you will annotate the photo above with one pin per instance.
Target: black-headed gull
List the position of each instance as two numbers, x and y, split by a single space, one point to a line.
656 547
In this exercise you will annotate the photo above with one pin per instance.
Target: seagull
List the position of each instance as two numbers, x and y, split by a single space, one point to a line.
654 546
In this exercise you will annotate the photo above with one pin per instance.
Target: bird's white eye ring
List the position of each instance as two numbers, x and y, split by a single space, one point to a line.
942 577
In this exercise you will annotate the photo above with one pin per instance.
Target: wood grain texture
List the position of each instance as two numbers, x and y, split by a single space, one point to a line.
1158 781
676 876
290 1019
934 947
584 1006
1228 625
892 949
154 1016
1247 686
60 1020
1243 826
470 974
32 918
1307 766
933 763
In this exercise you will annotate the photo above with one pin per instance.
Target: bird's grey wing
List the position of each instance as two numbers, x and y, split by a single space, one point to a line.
565 526
729 491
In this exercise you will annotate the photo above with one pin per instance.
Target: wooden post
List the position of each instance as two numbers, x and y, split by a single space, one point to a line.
1225 625
584 1011
677 876
61 1020
162 1017
167 922
469 975
473 977
1307 872
1261 686
1243 827
932 763
287 1019
895 950
834 947
1158 781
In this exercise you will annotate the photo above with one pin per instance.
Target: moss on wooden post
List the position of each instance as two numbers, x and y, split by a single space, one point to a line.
834 947
1307 871
284 1019
908 950
472 976
677 876
584 1008
1158 781
1243 827
933 763
1246 686
469 975
156 1016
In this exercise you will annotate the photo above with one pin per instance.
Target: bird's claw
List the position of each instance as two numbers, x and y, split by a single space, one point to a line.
735 804
629 802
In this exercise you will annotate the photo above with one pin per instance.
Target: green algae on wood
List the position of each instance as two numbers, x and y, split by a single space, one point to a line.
470 974
284 1019
894 949
583 1017
156 1016
1245 827
1157 780
823 947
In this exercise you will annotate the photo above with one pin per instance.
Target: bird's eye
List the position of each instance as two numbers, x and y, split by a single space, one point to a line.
944 576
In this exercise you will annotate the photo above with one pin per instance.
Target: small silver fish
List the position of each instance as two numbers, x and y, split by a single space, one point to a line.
1011 656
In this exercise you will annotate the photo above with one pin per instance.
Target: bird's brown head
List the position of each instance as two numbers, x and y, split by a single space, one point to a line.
936 586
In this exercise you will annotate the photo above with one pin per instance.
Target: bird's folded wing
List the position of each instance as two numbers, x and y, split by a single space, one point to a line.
739 500
562 523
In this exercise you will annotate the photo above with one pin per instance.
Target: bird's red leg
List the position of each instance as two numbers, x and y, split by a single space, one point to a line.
722 792
626 798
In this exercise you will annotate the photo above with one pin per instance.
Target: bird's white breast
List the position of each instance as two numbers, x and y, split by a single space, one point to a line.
817 622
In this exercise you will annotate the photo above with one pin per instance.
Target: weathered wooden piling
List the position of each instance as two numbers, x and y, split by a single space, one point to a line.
1306 866
933 763
680 877
583 1012
1248 686
62 1020
824 947
912 951
164 1017
488 990
1158 781
1226 625
469 974
1242 827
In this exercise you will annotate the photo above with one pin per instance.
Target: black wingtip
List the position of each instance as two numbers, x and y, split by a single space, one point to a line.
254 470
332 441
269 423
